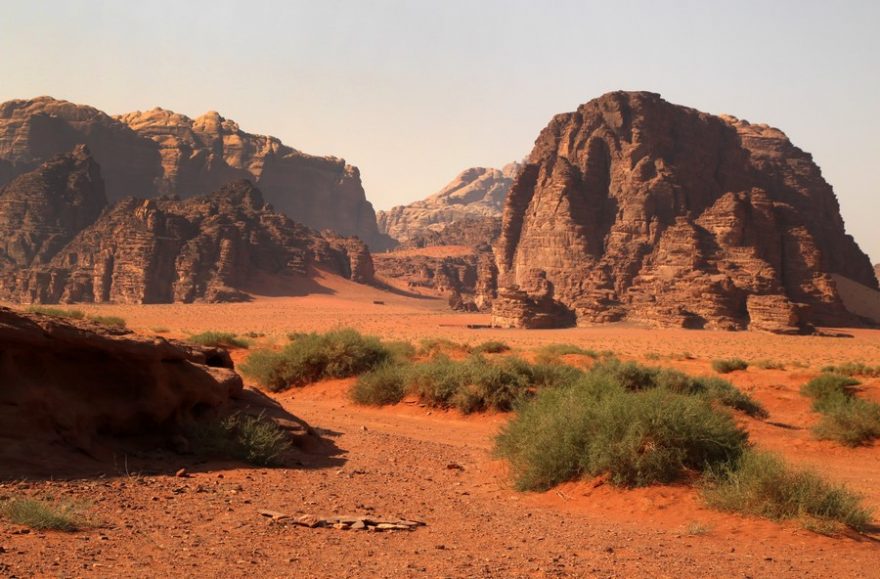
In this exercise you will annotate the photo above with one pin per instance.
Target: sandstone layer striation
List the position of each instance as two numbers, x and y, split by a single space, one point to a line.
147 154
632 208
216 247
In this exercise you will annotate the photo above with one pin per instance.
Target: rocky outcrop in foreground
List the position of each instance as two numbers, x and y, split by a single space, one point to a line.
476 195
72 383
158 152
213 248
632 208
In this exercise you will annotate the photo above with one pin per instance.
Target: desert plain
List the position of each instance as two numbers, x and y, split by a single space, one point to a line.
159 513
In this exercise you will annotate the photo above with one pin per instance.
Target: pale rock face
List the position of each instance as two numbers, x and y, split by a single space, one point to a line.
146 154
475 194
635 208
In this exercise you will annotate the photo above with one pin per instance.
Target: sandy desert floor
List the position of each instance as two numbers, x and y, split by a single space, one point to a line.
410 462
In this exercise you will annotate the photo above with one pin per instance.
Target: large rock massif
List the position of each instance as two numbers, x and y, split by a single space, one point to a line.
632 208
147 154
74 383
475 198
64 243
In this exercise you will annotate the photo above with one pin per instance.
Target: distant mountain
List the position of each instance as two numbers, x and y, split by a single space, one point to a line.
147 154
476 194
63 242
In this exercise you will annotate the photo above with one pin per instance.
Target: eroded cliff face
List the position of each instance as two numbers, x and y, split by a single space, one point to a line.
41 211
635 208
476 195
146 154
217 247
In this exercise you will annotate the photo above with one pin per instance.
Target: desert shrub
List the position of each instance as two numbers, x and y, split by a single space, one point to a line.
255 440
219 340
768 365
43 515
400 351
311 357
437 380
728 365
633 376
268 368
110 321
432 346
598 427
471 385
653 356
552 375
383 385
491 347
761 484
853 369
829 390
160 330
552 352
852 422
845 418
57 312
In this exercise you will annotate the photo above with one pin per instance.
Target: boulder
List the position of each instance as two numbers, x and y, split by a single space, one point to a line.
75 382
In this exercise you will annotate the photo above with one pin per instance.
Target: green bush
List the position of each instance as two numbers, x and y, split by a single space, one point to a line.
432 346
491 347
768 365
761 484
110 321
829 390
311 357
57 312
852 423
633 376
383 385
552 352
845 418
400 351
726 366
598 427
854 369
255 440
43 515
219 340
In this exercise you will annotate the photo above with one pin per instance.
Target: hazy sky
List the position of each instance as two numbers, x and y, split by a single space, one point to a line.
413 92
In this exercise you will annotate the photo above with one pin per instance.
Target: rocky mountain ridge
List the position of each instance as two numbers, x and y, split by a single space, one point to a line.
632 208
147 154
475 195
216 247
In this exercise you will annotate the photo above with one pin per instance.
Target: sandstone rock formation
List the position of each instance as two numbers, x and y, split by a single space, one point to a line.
211 248
467 281
877 271
476 195
146 154
71 383
41 211
635 208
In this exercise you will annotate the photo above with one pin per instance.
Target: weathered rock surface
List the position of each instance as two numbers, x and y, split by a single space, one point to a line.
72 383
877 271
216 247
476 195
635 208
146 154
41 211
467 281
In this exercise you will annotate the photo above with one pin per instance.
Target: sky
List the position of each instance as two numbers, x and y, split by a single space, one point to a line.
413 92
